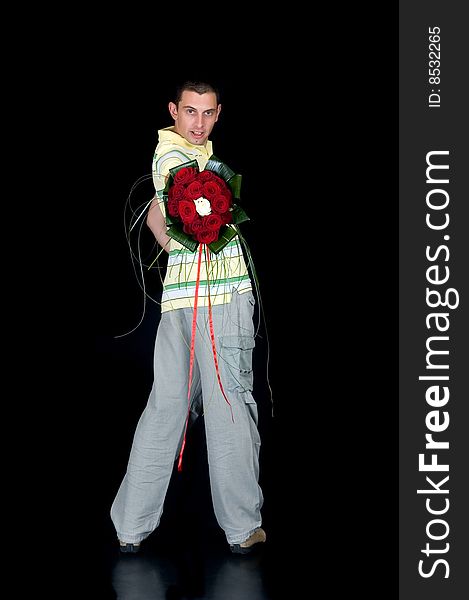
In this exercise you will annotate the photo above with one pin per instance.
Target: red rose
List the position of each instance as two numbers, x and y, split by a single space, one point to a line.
220 203
226 217
173 207
176 192
205 236
187 211
212 222
221 182
193 227
194 190
185 175
211 189
204 176
196 224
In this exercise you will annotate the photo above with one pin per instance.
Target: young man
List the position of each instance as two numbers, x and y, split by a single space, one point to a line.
231 427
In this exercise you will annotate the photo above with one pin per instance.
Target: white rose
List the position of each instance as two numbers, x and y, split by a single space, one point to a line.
202 206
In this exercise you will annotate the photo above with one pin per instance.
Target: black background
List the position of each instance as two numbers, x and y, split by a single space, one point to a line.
323 233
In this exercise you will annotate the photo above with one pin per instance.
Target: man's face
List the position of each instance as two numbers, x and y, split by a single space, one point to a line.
195 116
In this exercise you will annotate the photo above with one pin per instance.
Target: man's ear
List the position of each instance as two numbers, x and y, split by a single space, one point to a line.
173 110
218 112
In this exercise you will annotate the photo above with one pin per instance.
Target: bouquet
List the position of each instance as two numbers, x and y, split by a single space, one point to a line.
200 205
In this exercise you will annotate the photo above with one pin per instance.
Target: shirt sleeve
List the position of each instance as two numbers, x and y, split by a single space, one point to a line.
162 163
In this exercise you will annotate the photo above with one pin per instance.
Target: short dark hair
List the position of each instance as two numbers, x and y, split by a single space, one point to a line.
200 87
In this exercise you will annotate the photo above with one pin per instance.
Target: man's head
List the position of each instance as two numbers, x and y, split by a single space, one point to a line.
195 111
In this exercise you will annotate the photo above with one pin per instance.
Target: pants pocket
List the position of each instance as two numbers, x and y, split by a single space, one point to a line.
236 356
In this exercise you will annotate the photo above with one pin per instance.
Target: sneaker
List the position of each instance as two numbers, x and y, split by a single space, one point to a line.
129 548
258 537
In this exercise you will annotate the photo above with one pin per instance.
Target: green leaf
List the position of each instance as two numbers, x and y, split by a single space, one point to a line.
222 170
238 215
175 231
226 234
235 185
169 218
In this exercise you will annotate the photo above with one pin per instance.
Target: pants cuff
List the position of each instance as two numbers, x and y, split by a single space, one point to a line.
238 539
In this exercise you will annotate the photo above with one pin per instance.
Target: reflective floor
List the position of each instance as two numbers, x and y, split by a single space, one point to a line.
192 573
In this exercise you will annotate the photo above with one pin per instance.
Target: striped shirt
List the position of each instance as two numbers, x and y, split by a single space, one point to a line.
226 271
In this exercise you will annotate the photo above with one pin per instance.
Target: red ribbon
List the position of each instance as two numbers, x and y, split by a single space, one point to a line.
192 348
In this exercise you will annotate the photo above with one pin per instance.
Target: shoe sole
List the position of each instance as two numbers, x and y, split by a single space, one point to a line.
237 549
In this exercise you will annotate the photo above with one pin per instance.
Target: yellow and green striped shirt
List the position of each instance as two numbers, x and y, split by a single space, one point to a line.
227 269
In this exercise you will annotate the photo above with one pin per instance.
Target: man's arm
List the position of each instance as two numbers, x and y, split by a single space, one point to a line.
162 163
156 222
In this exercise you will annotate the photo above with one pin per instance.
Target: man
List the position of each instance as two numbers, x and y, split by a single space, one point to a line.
222 386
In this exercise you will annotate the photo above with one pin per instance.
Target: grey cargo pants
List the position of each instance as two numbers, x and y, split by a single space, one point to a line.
232 445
